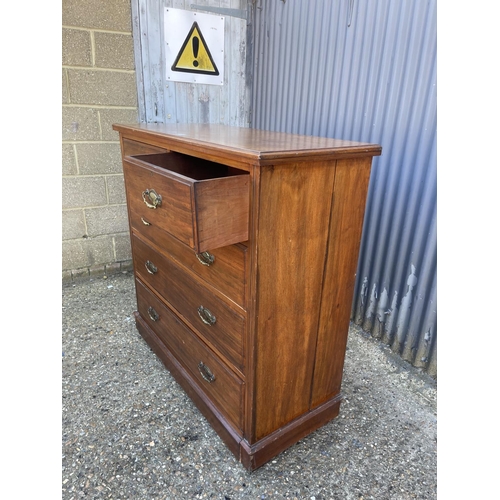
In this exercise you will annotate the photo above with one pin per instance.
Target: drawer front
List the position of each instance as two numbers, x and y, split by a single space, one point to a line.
223 268
219 383
214 319
203 204
131 147
173 213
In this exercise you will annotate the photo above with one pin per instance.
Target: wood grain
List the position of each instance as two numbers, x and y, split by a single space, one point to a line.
204 205
230 435
227 273
185 295
294 213
222 211
351 185
239 146
130 147
226 390
175 212
253 456
282 299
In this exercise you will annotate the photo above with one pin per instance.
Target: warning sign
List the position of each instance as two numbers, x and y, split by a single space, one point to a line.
194 56
194 47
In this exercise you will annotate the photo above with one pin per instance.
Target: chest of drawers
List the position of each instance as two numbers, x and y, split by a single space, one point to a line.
245 246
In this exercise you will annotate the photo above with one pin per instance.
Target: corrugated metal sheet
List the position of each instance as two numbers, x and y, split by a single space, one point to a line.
162 101
366 71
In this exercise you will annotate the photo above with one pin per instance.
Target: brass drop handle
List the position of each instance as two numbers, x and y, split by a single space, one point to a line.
151 198
153 314
151 268
206 316
145 222
205 258
205 372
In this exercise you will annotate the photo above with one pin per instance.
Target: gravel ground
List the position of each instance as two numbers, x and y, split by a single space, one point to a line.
130 432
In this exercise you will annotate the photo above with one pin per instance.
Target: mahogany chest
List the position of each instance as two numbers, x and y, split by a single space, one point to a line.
245 247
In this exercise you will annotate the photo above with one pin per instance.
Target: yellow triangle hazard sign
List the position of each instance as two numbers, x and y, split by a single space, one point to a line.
194 56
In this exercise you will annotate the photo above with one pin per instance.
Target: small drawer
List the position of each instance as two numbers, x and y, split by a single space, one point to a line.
203 204
221 325
223 268
218 382
133 148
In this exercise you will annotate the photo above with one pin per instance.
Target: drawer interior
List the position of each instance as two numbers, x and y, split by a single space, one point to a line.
189 166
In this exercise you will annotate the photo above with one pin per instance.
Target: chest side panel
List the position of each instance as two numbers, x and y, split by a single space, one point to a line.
294 210
351 186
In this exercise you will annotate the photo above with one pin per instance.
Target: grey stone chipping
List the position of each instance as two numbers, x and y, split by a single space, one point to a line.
130 432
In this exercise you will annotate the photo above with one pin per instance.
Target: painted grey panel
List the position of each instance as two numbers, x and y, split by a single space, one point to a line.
366 71
177 102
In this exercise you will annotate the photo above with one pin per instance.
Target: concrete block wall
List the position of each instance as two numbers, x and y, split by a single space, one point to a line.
98 89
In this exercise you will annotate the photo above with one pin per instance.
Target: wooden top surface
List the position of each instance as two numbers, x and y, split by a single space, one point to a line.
245 142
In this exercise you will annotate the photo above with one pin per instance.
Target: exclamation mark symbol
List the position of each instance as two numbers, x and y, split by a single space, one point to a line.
196 47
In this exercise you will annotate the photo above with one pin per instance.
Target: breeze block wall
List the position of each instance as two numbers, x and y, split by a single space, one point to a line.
98 89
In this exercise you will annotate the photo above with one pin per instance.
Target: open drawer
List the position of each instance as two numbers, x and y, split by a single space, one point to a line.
203 204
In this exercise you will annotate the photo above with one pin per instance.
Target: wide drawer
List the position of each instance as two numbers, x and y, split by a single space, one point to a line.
220 384
203 204
221 325
223 268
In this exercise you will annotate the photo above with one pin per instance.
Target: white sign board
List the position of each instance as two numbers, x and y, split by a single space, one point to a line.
194 47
